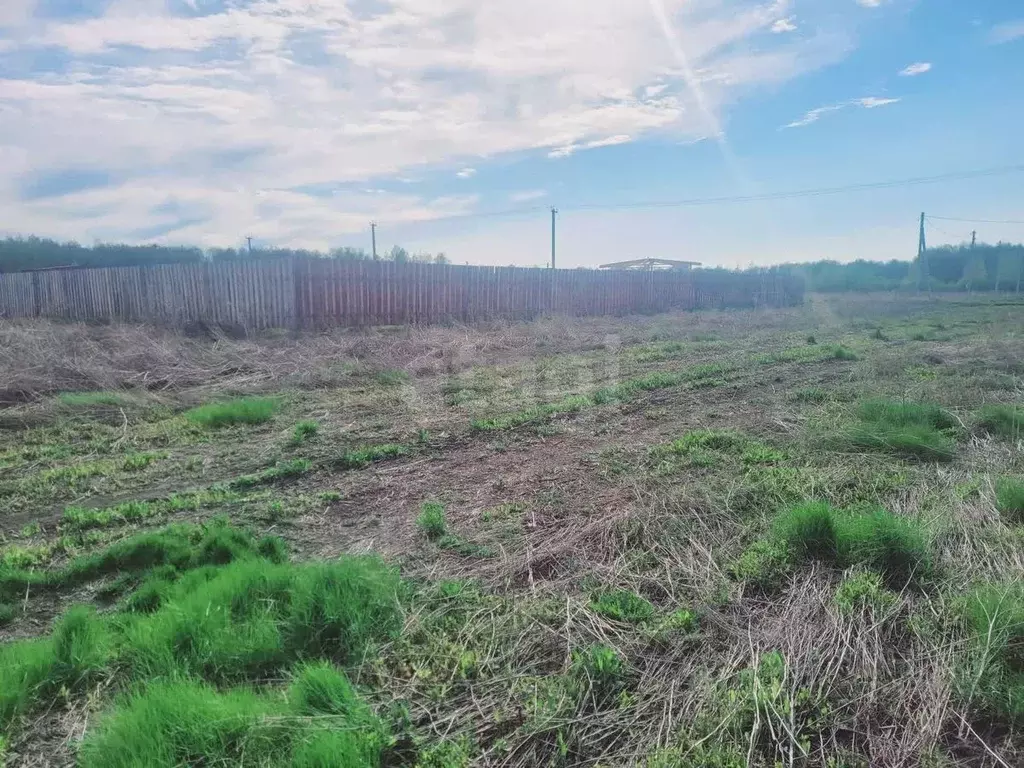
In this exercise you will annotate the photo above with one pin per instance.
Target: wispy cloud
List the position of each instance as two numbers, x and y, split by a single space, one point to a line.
1004 33
783 25
527 195
814 115
870 3
916 69
466 173
206 100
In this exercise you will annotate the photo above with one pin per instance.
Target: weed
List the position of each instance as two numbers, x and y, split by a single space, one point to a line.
1010 498
91 399
330 496
911 430
30 529
136 461
1002 420
811 395
432 520
286 470
391 378
839 352
7 614
362 457
304 430
601 666
994 681
894 546
809 531
764 565
902 413
863 591
446 754
622 605
243 410
879 336
811 340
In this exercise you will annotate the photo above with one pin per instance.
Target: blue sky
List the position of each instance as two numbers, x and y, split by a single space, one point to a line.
300 121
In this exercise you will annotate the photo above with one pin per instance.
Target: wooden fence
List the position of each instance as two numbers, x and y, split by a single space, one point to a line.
258 294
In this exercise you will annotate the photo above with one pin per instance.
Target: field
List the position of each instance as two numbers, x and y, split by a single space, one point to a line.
703 540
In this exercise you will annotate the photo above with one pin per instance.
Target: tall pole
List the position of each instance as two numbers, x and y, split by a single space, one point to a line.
373 235
974 238
248 239
554 213
922 248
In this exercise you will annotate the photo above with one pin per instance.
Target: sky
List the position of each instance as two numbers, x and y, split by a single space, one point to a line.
458 124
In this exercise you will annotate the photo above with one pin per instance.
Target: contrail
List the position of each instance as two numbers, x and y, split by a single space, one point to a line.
658 9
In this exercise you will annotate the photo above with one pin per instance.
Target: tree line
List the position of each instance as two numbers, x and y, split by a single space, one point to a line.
19 254
982 267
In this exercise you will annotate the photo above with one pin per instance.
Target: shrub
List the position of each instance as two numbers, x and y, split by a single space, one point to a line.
622 605
1010 498
243 410
1002 420
7 614
839 352
432 520
304 430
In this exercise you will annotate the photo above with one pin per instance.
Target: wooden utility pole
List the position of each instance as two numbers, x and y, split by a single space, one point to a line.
554 213
373 235
974 238
922 248
248 239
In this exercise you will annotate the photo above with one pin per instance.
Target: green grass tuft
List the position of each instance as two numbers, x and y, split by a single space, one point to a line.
7 614
863 591
900 413
1002 420
391 378
362 457
286 470
909 430
535 415
622 605
1010 498
432 520
994 680
304 430
90 399
809 531
243 410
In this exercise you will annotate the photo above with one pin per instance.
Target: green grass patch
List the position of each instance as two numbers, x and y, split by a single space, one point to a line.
863 591
391 378
91 399
134 462
1002 420
321 722
622 605
909 430
242 410
363 457
285 470
304 430
536 415
994 680
895 547
1010 498
432 520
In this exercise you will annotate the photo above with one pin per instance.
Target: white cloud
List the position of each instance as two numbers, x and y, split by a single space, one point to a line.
783 25
466 173
869 3
1004 33
814 115
872 102
527 195
311 93
916 69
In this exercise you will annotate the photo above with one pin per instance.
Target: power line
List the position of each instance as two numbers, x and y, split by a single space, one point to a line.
962 175
975 221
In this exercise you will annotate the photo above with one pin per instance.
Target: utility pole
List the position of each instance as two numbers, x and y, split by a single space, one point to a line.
974 238
373 234
554 213
922 248
248 239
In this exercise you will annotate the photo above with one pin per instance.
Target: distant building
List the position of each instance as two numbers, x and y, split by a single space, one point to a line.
653 264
